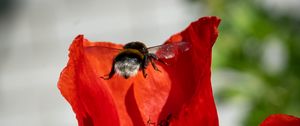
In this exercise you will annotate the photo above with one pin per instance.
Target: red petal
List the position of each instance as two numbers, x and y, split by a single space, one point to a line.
90 99
281 120
182 89
191 93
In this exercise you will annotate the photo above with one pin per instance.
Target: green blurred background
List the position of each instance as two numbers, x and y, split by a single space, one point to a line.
258 56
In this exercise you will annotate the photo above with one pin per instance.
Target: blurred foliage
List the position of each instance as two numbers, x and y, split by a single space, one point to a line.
245 33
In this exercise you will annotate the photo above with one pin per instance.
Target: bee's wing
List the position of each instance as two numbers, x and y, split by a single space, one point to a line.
168 51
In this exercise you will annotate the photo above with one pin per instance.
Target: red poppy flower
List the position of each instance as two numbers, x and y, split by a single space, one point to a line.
281 120
180 94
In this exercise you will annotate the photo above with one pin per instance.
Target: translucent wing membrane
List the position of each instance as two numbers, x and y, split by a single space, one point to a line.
168 51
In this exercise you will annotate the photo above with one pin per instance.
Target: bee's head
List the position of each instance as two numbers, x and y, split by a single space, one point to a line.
136 45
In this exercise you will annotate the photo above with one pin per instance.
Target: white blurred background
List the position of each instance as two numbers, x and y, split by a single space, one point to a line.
35 36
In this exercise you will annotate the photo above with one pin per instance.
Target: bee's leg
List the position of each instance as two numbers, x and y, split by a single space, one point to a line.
154 65
156 58
111 74
146 61
144 72
144 65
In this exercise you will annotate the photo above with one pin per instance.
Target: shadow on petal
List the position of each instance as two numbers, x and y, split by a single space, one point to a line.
132 108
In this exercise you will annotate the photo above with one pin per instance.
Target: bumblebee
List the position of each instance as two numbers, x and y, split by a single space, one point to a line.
136 56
